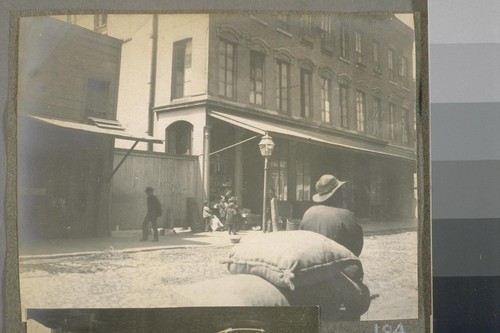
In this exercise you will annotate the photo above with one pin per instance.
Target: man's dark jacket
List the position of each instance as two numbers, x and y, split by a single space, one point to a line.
154 206
335 223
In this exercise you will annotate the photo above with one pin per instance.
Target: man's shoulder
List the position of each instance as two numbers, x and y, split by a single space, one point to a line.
322 209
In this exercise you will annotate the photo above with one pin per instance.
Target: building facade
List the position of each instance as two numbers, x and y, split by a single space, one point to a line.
67 93
336 93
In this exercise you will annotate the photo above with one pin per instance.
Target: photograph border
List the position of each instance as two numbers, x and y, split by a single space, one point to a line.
12 313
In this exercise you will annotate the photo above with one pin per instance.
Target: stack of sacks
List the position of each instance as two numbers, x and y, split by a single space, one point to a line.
308 268
230 290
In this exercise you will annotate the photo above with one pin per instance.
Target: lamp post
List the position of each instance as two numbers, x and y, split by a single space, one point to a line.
266 146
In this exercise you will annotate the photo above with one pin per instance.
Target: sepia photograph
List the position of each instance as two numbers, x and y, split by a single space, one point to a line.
218 163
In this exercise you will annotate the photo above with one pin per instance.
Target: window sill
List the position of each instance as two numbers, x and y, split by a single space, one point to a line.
308 40
327 50
258 20
344 60
284 32
361 66
102 29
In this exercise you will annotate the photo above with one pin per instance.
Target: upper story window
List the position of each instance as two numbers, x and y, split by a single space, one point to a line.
403 71
181 68
101 23
227 65
178 138
344 105
358 38
283 22
256 78
405 126
391 64
374 121
282 86
360 111
327 39
344 42
306 24
326 100
96 99
305 93
392 121
376 57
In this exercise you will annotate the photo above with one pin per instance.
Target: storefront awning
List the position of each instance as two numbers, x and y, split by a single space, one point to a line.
102 127
261 126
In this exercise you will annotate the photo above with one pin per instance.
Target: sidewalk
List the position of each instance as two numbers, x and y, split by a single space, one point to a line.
128 240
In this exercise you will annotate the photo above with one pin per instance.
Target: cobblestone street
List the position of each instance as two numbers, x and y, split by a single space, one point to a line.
144 279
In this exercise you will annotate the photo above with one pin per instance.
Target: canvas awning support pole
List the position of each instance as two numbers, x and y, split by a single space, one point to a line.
123 160
234 145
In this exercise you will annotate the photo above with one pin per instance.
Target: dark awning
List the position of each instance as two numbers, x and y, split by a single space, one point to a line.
102 127
261 126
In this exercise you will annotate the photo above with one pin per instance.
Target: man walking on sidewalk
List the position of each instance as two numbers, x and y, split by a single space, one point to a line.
154 211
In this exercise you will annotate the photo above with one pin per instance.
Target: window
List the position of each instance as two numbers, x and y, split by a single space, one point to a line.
227 59
278 176
375 117
376 57
326 101
358 37
344 42
283 22
360 110
392 110
101 23
96 99
344 117
327 39
376 189
303 180
282 85
405 135
181 71
178 138
403 71
391 64
256 78
305 93
306 24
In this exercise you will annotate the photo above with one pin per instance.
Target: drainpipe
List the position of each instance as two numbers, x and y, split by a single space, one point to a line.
152 80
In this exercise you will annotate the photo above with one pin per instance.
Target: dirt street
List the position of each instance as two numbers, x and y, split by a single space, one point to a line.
142 279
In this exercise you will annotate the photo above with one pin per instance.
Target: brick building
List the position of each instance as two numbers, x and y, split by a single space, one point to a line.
336 93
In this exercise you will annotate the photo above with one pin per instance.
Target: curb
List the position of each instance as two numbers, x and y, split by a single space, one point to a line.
132 250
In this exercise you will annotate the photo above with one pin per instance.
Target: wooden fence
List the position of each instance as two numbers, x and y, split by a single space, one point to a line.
174 178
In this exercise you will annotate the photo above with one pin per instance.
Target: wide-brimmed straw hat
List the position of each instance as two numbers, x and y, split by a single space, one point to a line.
326 186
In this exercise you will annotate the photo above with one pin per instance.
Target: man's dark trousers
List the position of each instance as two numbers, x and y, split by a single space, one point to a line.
145 227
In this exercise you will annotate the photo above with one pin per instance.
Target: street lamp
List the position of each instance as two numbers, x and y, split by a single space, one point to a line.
266 146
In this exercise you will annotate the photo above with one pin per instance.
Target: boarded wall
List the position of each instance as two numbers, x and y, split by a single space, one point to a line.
174 178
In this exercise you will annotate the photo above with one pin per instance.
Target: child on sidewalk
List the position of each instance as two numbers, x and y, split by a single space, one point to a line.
231 217
207 216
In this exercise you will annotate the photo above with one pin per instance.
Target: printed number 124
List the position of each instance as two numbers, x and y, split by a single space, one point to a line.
388 329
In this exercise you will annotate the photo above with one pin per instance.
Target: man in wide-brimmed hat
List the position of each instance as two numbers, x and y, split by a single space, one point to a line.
326 218
154 211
